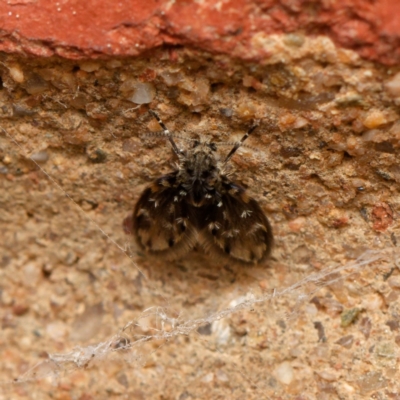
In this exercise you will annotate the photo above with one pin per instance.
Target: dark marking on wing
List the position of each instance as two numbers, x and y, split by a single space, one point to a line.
162 221
244 231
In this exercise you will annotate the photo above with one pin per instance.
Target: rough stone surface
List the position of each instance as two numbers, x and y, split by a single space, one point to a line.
323 165
240 28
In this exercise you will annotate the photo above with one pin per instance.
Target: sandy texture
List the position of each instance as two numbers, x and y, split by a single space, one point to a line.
323 165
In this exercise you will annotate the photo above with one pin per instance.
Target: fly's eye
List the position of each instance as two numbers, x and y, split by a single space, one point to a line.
212 146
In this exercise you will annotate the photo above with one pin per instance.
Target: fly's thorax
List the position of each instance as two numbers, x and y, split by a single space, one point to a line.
199 173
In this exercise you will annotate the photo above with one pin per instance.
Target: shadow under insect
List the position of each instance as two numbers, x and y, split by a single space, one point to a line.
197 205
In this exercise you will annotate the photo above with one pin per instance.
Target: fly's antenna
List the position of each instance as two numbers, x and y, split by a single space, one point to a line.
167 133
241 141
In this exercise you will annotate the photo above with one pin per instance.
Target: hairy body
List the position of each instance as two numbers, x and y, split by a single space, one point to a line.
198 204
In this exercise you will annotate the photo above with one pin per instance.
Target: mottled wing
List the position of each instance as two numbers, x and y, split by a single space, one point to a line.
162 224
237 228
